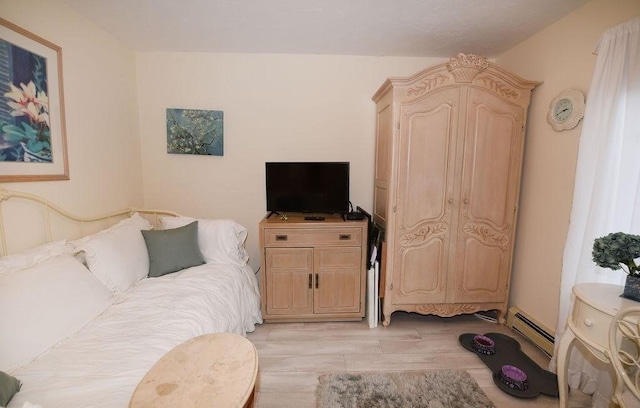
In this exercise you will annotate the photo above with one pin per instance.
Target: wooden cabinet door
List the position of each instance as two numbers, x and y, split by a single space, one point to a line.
337 279
383 160
289 281
425 170
492 156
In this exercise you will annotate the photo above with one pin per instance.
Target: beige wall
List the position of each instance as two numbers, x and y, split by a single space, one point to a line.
291 107
276 108
561 56
101 110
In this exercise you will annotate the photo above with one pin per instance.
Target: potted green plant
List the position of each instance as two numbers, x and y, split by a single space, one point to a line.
619 250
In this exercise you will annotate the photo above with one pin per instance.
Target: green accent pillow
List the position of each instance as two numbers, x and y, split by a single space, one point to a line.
8 387
173 250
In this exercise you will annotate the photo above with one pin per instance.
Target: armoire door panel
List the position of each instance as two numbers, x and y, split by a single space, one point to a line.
423 276
484 278
383 144
492 153
380 202
337 280
425 167
384 137
288 289
490 177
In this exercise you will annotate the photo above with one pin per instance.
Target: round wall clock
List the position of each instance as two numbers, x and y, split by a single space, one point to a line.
566 110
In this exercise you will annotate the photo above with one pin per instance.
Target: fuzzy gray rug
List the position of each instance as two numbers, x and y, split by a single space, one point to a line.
407 389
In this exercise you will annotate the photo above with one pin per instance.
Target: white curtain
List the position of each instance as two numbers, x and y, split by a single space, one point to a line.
606 196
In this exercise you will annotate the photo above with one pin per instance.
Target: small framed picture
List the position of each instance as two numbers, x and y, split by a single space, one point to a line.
193 131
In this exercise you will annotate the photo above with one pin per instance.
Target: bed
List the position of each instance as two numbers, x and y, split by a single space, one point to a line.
88 305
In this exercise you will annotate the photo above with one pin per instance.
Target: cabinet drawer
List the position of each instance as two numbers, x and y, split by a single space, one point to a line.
592 324
284 237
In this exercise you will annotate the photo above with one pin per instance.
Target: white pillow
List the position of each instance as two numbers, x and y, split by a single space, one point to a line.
221 241
33 256
44 304
135 219
118 255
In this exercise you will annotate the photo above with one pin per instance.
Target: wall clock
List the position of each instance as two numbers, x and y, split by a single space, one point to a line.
566 110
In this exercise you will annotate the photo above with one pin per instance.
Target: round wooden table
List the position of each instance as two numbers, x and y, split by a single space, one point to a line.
213 370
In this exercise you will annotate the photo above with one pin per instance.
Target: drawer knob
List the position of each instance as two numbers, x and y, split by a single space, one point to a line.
281 237
588 323
345 237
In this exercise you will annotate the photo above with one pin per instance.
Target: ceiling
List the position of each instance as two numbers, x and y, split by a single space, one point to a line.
419 28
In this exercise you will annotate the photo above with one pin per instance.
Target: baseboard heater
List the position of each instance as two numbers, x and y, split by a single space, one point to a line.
530 328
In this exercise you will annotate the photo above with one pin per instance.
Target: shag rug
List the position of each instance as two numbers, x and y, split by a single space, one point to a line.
407 389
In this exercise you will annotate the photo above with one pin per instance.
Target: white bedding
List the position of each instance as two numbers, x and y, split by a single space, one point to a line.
102 364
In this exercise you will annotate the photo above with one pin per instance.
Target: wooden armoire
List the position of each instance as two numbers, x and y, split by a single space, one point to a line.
449 147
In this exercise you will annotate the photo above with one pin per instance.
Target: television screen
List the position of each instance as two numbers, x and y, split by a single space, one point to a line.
308 187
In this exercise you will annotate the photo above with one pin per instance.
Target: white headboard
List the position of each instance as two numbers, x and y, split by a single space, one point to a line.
27 220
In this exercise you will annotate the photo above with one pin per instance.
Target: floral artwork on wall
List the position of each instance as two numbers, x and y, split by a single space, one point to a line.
32 132
193 131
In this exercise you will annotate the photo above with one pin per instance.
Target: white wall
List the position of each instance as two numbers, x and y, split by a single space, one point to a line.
561 56
101 110
276 108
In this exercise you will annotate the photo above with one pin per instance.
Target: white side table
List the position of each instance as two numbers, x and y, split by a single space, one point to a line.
593 309
212 370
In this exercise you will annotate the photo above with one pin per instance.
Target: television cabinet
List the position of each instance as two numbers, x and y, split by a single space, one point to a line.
312 270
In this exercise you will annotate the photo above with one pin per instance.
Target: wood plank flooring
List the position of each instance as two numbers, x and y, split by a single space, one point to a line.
293 355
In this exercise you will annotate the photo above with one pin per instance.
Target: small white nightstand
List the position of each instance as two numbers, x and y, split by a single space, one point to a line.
593 309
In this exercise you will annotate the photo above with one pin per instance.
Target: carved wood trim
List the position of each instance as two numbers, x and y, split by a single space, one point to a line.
477 103
448 310
464 67
444 310
450 104
501 88
401 293
423 233
485 234
426 85
464 290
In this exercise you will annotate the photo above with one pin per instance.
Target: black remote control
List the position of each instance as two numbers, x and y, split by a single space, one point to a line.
314 218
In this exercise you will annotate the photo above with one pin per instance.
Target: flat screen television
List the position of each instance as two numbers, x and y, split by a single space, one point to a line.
308 187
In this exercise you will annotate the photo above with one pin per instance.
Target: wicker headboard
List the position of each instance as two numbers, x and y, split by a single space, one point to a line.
27 220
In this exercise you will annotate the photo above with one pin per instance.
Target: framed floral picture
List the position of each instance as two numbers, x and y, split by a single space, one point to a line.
32 129
194 131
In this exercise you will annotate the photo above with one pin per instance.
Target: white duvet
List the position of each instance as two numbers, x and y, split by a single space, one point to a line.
102 364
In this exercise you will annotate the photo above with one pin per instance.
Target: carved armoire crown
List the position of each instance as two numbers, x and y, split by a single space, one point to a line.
449 147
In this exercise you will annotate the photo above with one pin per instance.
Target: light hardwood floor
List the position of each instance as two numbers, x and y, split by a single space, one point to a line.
293 355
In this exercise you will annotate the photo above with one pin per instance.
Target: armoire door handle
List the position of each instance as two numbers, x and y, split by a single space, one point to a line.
317 280
310 281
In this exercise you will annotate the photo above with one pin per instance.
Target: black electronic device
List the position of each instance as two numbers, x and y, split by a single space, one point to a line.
307 187
355 216
314 218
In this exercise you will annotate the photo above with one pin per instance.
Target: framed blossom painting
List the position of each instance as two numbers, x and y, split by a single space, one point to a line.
194 131
32 130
